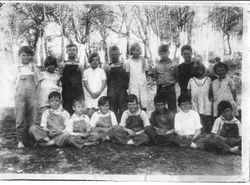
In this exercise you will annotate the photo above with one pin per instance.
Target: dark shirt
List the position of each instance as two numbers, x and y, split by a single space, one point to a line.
163 120
184 74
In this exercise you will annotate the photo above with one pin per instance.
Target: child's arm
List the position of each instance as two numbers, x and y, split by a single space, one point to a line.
197 133
210 92
86 84
44 120
145 119
113 119
232 87
104 83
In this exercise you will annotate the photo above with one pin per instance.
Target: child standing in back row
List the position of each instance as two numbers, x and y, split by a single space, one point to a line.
117 80
223 88
95 83
137 68
49 81
199 88
72 78
26 95
166 77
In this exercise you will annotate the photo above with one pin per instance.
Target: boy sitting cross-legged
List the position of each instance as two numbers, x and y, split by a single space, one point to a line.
52 128
131 130
162 120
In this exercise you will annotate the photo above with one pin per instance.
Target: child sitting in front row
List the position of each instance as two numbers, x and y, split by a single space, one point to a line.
187 122
52 128
79 126
161 130
131 130
102 121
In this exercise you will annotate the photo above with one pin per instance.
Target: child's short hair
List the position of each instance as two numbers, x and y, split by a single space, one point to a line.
163 48
54 94
186 47
159 99
92 55
78 100
114 49
184 98
50 61
217 59
223 105
131 98
71 45
220 65
103 100
133 47
25 49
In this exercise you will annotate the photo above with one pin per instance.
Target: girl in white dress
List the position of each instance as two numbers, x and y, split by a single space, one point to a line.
199 88
137 68
48 81
95 83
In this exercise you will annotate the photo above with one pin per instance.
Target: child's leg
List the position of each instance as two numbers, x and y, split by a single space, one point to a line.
141 139
20 118
38 133
171 99
152 134
32 107
122 104
113 94
207 123
119 135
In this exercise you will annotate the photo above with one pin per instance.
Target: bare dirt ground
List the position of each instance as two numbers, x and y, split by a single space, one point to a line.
109 158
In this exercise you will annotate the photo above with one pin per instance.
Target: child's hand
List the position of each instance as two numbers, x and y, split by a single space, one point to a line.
161 132
131 133
52 133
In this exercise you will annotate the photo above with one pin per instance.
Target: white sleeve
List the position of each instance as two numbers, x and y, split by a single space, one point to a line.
216 127
124 119
65 116
103 75
177 124
85 75
127 66
44 119
197 121
69 126
113 119
94 119
189 84
145 119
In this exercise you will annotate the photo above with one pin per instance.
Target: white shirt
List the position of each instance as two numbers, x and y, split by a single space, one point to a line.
97 115
74 117
60 111
187 123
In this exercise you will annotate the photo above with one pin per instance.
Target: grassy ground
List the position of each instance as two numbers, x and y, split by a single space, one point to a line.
109 158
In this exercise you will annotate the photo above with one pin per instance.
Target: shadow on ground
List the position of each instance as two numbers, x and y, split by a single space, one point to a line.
109 158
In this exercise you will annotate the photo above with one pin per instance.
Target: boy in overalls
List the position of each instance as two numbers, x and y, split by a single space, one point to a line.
117 81
26 95
131 130
52 128
71 78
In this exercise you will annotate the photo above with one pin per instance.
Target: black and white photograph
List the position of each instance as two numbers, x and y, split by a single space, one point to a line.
124 91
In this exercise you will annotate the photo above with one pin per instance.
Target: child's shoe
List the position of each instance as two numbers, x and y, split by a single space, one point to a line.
20 144
130 142
193 145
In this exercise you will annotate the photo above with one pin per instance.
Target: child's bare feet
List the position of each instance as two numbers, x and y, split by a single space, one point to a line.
234 149
20 144
49 143
130 142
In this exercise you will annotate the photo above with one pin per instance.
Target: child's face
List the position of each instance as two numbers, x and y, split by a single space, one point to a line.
55 102
228 114
185 106
132 106
51 68
159 106
221 72
78 108
115 55
25 58
104 108
187 55
72 52
164 54
136 52
94 62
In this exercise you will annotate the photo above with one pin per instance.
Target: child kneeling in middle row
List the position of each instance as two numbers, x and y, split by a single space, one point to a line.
134 121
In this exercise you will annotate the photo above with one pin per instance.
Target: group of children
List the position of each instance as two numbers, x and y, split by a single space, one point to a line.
87 106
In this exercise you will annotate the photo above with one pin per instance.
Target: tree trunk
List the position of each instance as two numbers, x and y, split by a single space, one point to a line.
128 45
229 45
145 49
